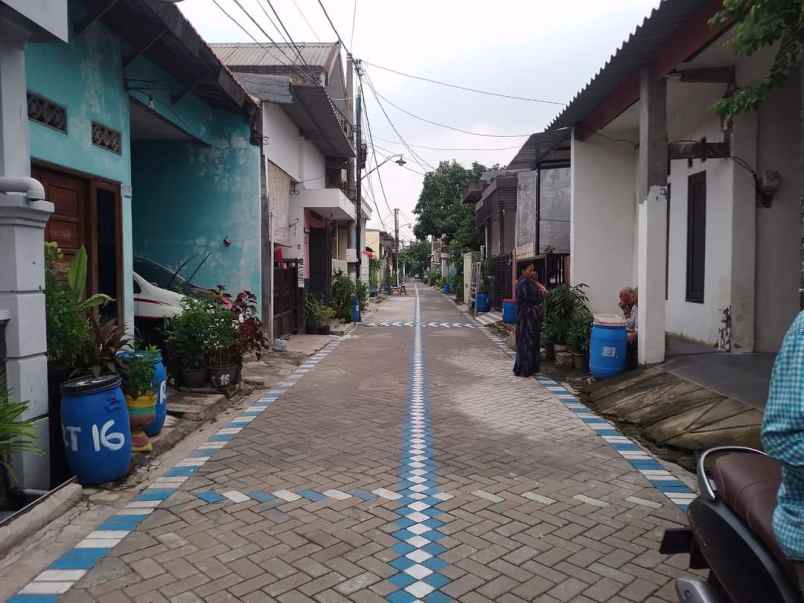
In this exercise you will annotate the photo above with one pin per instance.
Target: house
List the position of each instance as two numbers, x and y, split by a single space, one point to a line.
382 249
310 156
704 215
542 223
145 146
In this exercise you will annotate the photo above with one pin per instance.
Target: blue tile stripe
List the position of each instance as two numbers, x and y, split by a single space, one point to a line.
417 562
77 561
640 459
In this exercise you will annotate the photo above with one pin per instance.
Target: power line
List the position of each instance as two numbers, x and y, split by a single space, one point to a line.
307 21
466 88
418 158
354 20
430 148
291 42
332 25
371 140
448 127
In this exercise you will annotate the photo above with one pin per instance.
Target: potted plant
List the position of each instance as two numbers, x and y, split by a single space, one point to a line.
578 337
16 437
221 341
138 377
250 337
560 305
343 291
317 316
187 340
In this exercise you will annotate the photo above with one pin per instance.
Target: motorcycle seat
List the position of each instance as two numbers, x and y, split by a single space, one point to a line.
748 484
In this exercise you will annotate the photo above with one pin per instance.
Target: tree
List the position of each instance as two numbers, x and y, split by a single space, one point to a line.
759 24
440 209
416 258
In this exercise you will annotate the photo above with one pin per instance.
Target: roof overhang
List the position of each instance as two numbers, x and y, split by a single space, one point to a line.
319 121
45 20
329 203
673 33
158 31
541 146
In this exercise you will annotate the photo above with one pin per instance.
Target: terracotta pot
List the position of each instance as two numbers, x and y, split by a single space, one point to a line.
194 377
223 376
141 413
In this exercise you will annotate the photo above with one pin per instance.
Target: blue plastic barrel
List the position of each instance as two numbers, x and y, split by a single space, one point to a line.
608 349
445 288
355 309
97 436
482 302
160 389
510 311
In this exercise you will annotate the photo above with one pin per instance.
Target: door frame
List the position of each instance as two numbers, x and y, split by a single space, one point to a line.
90 226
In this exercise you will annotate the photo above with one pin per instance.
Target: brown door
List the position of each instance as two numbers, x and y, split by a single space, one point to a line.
67 225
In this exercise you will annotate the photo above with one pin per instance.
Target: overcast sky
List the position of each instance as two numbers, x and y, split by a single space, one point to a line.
530 48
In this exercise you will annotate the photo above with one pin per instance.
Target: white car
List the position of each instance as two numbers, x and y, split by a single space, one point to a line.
154 303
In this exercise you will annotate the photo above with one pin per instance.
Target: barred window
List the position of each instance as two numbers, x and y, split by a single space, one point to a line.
107 138
44 111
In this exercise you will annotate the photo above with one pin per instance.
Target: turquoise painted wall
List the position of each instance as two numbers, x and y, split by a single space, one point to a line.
186 196
86 77
189 197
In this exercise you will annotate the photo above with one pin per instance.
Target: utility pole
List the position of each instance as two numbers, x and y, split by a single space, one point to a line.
358 169
396 244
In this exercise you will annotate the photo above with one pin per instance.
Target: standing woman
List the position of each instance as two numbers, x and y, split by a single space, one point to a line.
529 295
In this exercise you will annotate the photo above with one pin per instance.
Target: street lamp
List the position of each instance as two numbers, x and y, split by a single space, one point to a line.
400 162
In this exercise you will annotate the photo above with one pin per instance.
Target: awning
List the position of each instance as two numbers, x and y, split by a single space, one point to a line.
319 121
538 147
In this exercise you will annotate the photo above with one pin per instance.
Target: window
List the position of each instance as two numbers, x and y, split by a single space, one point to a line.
696 237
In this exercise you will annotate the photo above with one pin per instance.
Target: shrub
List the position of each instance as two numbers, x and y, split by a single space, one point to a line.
343 289
187 333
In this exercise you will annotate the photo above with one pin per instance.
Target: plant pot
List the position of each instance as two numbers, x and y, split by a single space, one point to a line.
223 376
579 361
194 377
141 413
549 352
563 359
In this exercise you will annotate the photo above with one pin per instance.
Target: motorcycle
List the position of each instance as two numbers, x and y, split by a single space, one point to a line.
731 533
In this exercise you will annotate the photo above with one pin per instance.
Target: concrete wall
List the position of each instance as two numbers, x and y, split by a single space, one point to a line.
779 227
313 166
283 140
190 197
86 77
603 219
701 321
49 15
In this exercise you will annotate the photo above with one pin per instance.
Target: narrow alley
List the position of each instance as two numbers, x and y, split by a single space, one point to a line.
389 468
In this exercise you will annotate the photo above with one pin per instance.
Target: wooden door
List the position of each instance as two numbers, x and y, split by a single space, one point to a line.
67 225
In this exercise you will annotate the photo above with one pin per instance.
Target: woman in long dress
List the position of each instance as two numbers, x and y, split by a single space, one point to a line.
529 295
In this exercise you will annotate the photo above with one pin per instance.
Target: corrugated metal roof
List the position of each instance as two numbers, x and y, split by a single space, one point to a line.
640 47
537 147
271 88
316 54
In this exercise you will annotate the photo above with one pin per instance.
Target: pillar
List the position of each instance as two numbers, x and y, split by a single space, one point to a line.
743 234
652 221
22 270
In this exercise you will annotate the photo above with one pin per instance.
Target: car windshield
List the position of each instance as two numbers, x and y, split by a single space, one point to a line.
160 275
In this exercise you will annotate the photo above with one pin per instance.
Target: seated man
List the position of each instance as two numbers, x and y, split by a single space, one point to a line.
783 439
629 299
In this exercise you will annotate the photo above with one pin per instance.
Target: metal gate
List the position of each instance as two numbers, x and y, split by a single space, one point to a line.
503 280
288 298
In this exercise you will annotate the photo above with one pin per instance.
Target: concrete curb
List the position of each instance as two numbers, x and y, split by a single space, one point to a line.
38 517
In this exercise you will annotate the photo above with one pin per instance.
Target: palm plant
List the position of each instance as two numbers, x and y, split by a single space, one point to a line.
16 435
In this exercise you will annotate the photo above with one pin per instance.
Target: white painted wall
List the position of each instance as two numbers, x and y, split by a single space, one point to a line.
313 166
603 219
701 321
284 140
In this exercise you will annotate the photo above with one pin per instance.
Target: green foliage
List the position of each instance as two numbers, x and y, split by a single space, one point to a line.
440 209
187 332
138 373
77 283
109 339
222 336
69 334
759 24
561 306
456 285
374 273
580 330
416 257
362 292
343 289
316 313
16 434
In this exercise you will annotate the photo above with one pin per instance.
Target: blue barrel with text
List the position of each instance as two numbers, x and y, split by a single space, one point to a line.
97 436
160 389
608 347
510 311
482 302
445 288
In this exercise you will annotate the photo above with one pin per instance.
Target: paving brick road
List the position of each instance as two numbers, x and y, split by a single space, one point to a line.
409 464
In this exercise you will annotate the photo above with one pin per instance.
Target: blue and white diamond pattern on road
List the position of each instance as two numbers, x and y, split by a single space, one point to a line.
418 565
